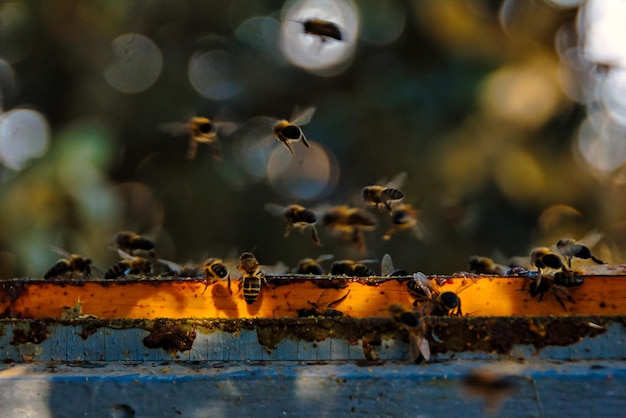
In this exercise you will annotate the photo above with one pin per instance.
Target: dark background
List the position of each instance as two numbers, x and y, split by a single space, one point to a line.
468 99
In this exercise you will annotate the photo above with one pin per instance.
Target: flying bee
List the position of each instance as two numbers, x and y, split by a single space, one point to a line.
544 284
569 249
297 217
201 130
387 269
70 264
404 217
350 223
485 265
129 241
352 268
214 269
289 131
413 323
251 278
128 265
323 29
384 196
311 266
542 257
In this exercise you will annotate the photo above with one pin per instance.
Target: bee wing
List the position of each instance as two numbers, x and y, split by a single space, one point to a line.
174 267
302 116
425 284
591 238
174 128
278 268
124 255
329 298
418 345
324 257
60 251
386 266
225 128
368 261
275 209
397 181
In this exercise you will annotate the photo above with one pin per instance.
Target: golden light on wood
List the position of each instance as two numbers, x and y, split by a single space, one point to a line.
291 296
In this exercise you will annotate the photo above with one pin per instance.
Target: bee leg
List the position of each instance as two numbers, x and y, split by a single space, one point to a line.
288 229
388 206
315 236
206 286
305 142
229 289
192 149
597 260
289 148
359 240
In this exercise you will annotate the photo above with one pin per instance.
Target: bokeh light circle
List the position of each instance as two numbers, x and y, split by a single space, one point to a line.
312 173
213 74
603 149
138 63
24 135
312 52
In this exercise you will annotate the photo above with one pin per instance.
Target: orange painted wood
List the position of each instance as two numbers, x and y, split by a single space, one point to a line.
183 298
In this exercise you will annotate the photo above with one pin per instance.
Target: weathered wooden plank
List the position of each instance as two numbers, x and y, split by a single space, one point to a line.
537 389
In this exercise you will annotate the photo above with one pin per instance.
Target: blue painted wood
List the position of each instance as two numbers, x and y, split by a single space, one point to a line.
543 388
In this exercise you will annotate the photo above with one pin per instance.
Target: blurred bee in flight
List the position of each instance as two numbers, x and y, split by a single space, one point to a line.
404 217
128 265
323 29
129 242
311 266
569 249
70 264
296 216
485 265
252 276
413 323
352 268
288 131
384 196
201 130
349 223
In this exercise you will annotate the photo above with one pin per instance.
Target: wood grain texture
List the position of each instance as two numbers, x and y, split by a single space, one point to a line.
288 296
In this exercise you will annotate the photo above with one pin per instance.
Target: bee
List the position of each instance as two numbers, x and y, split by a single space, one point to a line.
251 278
128 265
323 29
311 266
128 242
352 268
296 216
214 269
70 264
485 265
201 130
350 223
324 305
492 383
568 278
542 257
569 249
434 301
404 217
387 269
547 284
384 196
289 131
413 323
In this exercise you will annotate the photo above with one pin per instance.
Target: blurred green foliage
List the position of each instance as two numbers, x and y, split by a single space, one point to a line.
469 105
